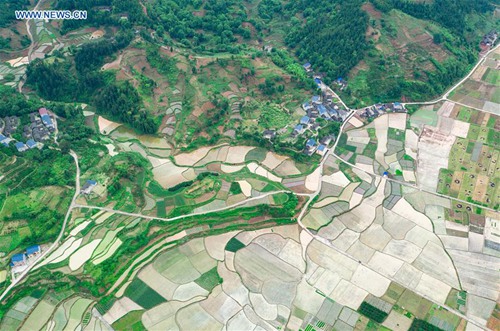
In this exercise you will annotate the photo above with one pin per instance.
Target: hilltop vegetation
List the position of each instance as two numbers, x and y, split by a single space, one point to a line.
7 13
417 50
188 58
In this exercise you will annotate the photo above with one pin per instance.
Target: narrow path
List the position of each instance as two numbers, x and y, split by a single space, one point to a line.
301 215
329 244
181 216
22 275
413 186
444 97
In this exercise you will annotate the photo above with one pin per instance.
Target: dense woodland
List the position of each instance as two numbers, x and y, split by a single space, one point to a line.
333 37
7 13
450 14
81 80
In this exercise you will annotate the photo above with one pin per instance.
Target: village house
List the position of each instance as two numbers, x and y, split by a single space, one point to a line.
370 112
342 114
310 146
322 149
269 134
21 147
33 251
4 140
307 67
490 38
327 97
315 126
27 132
327 140
398 107
47 121
32 144
318 82
323 112
298 129
305 120
11 124
307 106
18 260
316 99
334 114
88 187
313 113
341 82
40 133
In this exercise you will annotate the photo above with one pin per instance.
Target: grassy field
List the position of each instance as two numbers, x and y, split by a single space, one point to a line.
471 173
30 209
404 51
234 245
482 89
143 295
130 322
209 279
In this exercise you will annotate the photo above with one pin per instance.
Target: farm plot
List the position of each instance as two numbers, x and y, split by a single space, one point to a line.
481 90
382 146
397 242
76 313
106 126
471 173
167 174
16 315
39 316
181 274
434 148
83 254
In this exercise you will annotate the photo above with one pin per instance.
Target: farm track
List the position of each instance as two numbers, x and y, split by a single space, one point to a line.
32 45
181 216
305 208
59 237
329 244
444 97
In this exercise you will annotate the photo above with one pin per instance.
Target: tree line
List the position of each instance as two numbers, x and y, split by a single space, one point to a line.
80 79
450 14
332 37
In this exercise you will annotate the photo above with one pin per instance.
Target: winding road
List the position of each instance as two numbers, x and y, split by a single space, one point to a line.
39 258
302 213
444 97
32 45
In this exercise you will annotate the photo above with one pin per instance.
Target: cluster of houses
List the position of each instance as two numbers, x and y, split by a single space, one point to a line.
88 187
19 260
341 82
382 108
324 107
319 107
39 129
320 147
490 38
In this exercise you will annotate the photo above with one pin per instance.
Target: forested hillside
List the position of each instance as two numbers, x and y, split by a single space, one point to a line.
335 36
8 10
417 49
387 49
